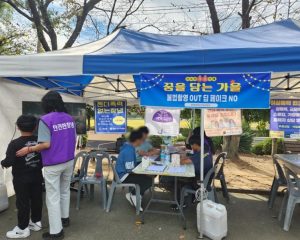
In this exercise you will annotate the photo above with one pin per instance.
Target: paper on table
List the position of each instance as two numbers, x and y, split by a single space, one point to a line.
151 158
180 169
156 168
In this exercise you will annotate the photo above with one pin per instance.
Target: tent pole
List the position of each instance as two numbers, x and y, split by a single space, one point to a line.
202 189
193 118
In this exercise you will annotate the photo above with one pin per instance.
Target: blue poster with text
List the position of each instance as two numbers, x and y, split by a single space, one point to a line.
285 118
110 116
236 90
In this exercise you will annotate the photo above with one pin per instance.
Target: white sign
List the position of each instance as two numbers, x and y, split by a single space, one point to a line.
163 122
222 122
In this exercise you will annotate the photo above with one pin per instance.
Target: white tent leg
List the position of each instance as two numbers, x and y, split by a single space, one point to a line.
193 118
201 173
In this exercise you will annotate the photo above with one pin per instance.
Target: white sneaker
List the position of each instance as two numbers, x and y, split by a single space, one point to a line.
128 197
132 199
18 233
35 226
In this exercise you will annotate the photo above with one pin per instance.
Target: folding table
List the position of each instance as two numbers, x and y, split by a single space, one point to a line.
170 171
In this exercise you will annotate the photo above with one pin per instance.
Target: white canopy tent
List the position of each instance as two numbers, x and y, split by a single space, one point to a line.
11 96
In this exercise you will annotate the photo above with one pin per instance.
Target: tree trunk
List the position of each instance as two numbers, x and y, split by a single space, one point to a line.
214 16
245 15
247 6
39 47
274 146
231 145
38 24
89 123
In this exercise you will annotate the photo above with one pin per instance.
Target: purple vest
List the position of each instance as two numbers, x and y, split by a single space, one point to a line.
63 138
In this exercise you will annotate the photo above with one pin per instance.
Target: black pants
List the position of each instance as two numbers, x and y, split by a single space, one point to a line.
29 199
144 181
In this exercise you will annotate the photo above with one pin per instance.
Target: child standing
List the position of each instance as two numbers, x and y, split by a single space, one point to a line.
27 179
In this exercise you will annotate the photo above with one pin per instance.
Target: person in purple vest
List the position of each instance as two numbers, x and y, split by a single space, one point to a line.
57 140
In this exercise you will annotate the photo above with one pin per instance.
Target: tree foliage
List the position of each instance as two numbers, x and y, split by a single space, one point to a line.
136 111
67 17
256 115
11 36
90 113
59 24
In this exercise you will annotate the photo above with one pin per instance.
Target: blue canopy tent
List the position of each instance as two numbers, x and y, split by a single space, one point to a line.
72 85
271 48
274 47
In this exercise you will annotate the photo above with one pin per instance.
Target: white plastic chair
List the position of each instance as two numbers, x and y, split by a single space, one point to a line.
208 184
78 160
220 160
116 183
209 178
291 198
96 179
278 181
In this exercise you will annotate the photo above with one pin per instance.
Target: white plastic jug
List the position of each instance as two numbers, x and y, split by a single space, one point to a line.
3 197
213 219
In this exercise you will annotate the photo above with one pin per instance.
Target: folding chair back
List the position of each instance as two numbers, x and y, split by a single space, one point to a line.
99 157
78 160
220 161
209 177
291 198
96 178
208 184
279 173
113 167
116 183
279 180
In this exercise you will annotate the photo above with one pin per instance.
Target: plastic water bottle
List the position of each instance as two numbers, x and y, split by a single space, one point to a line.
167 156
162 154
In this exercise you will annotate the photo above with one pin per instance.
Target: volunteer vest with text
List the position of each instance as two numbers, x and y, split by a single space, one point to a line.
63 138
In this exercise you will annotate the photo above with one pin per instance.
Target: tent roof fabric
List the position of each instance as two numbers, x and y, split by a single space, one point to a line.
72 85
112 87
66 62
274 47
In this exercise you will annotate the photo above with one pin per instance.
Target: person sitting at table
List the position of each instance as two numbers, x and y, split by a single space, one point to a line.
195 143
126 162
146 148
197 132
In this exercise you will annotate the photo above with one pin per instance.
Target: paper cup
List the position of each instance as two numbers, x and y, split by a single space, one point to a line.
175 161
145 162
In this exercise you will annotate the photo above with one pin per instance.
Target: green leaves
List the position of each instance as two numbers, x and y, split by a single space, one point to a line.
11 35
256 115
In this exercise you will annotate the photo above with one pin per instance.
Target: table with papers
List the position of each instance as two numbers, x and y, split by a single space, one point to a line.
187 170
170 171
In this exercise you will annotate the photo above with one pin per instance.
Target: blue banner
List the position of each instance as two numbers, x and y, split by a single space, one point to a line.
285 118
237 90
110 116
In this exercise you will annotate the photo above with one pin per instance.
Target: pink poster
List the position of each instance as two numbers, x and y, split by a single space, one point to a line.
222 122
